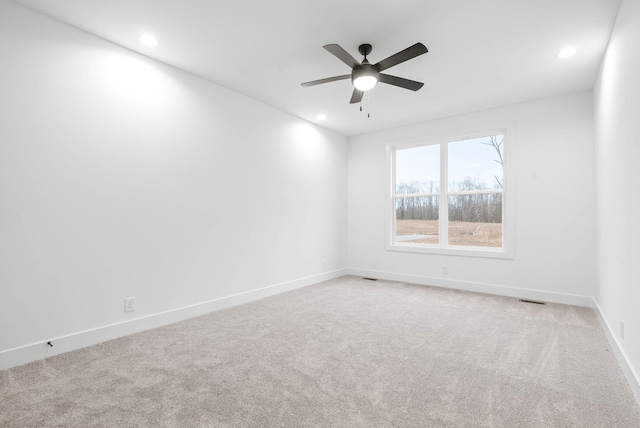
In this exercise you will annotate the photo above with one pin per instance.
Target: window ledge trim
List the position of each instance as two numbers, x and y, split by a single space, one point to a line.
485 252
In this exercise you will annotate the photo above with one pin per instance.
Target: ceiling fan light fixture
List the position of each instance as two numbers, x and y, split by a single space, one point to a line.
364 77
365 82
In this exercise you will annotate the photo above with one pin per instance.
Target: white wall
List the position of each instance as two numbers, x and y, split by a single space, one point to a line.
121 176
554 197
617 120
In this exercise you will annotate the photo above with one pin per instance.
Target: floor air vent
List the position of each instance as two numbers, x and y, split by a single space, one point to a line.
370 279
532 301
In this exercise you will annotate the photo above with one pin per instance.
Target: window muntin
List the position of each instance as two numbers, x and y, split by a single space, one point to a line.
468 212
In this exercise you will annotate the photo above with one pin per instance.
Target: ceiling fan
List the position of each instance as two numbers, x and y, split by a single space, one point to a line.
365 76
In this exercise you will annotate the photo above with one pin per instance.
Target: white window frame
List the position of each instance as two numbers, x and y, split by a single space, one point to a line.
508 210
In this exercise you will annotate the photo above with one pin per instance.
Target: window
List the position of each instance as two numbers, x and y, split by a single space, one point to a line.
448 196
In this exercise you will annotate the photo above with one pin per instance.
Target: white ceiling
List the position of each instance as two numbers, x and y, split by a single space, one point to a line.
482 53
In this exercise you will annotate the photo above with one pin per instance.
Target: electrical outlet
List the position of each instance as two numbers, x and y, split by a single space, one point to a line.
445 270
130 304
324 264
621 329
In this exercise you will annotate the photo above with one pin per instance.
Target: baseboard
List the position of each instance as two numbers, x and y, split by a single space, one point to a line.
632 376
40 350
478 287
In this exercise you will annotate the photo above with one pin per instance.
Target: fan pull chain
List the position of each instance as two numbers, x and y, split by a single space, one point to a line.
367 102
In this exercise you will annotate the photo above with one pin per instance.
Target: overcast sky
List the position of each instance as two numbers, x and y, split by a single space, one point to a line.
467 158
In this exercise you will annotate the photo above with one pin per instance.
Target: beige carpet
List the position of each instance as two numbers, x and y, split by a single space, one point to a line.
344 353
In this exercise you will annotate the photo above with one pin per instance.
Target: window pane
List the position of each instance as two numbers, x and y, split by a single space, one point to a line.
417 220
476 164
418 170
475 220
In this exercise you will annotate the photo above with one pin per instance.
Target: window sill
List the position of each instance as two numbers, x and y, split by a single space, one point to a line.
492 253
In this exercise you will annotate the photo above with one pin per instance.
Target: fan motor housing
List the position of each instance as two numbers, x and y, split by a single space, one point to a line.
365 70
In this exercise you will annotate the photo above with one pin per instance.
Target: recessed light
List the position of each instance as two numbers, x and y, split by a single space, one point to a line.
322 116
567 52
148 40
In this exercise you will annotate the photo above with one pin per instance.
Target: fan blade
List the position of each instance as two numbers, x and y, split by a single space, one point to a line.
327 80
342 55
400 81
402 56
356 97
